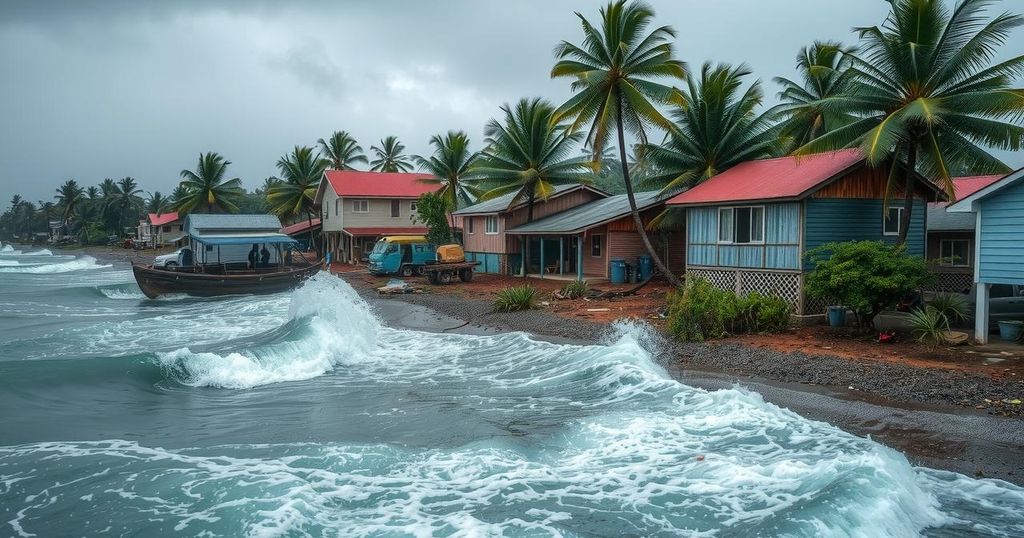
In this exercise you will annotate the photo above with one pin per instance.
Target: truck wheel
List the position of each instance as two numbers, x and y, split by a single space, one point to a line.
407 270
446 277
432 277
466 275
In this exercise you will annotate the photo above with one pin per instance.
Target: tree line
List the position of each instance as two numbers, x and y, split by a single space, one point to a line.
921 92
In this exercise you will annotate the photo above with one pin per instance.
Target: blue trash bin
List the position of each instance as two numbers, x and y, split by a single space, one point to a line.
617 271
645 266
837 316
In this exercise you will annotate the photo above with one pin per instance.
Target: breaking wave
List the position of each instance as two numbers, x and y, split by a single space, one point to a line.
43 252
77 264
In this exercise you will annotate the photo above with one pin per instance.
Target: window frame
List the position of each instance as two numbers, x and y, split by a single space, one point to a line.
412 206
597 240
899 221
396 209
947 261
733 230
338 202
469 224
360 201
487 225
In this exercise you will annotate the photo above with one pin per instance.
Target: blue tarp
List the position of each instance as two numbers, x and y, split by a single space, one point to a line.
244 239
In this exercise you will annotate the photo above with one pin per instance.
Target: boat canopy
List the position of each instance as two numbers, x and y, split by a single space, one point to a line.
243 238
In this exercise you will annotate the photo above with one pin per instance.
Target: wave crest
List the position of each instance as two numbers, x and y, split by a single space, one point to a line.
77 264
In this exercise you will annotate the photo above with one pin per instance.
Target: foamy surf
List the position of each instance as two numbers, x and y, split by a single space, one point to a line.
78 264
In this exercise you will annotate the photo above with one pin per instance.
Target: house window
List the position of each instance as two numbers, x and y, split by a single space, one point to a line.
337 207
595 245
396 208
412 206
167 229
893 221
955 253
491 224
360 206
741 225
469 224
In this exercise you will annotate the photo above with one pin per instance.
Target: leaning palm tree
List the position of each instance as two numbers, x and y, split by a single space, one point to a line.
206 187
822 68
451 165
614 73
925 93
69 195
293 195
719 128
389 156
529 154
341 150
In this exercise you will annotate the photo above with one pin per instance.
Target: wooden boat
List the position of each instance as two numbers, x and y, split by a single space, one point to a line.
212 281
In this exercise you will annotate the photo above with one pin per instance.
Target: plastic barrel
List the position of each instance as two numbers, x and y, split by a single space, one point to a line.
837 316
645 266
618 271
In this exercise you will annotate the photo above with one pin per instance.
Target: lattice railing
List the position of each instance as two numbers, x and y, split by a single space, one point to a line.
951 281
785 285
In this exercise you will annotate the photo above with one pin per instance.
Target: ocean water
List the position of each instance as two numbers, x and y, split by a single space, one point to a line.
300 414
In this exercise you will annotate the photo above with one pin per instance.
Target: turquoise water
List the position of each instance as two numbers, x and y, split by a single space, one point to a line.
299 414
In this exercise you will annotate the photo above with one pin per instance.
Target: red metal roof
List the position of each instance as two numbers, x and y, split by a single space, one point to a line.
300 227
966 186
379 184
386 230
162 218
769 179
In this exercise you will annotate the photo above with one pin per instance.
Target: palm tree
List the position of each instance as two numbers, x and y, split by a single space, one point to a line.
16 202
718 129
27 212
613 73
451 166
268 184
108 187
127 201
390 157
341 150
293 195
529 154
924 92
158 203
206 186
92 192
69 194
822 68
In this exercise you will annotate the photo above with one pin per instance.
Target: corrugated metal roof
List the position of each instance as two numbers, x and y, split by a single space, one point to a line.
200 223
162 218
769 179
301 226
503 203
379 184
589 215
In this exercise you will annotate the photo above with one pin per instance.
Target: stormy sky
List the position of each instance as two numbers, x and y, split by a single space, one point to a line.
91 90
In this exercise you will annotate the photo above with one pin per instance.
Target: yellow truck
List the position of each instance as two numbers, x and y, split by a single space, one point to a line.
450 263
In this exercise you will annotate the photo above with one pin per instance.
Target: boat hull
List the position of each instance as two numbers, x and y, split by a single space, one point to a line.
157 282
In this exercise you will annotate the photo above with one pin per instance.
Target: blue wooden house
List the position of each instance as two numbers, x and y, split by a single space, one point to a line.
998 241
749 228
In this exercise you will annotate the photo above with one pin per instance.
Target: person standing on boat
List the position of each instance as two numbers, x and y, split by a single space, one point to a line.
254 255
265 257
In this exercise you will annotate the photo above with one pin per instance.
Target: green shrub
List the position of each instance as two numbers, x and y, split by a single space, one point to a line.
864 276
575 289
701 312
953 307
929 325
515 299
432 211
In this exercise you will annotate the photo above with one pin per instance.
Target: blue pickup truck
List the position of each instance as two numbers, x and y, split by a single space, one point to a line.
403 255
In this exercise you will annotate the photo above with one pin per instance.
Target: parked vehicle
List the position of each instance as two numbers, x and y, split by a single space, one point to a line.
450 264
167 261
401 255
1005 303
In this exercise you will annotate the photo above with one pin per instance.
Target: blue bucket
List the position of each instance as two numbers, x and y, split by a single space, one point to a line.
645 266
837 316
617 273
1009 331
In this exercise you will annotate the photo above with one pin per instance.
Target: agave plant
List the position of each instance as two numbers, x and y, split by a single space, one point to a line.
515 299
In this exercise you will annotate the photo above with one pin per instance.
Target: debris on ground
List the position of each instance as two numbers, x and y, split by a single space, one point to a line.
398 287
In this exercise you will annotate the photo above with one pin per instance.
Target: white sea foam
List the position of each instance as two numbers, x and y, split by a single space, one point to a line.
43 252
77 264
123 294
333 325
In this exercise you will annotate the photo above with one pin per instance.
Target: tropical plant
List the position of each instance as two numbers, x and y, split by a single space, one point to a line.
699 311
929 325
268 184
294 195
176 198
925 94
69 194
432 211
574 289
341 150
864 276
614 74
803 118
529 154
158 203
389 156
126 202
451 165
206 187
954 307
515 299
718 128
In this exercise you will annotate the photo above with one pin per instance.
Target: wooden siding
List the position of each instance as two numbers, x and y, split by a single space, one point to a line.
554 205
781 249
864 182
1002 229
499 243
832 220
595 266
332 221
478 241
379 214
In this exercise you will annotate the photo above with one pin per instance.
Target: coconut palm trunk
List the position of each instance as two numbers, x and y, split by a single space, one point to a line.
908 193
640 230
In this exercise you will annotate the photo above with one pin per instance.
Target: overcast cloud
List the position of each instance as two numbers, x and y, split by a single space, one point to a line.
131 88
